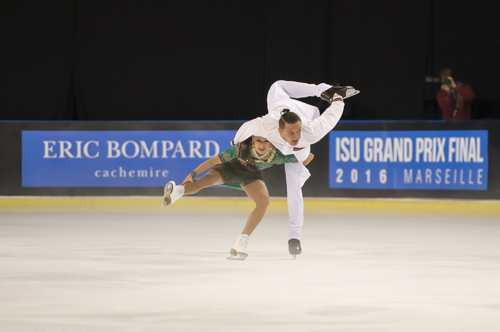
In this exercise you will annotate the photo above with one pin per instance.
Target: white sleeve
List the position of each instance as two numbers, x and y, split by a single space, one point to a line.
316 129
284 90
303 154
249 128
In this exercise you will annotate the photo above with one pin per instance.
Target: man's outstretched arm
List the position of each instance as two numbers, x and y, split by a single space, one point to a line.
316 129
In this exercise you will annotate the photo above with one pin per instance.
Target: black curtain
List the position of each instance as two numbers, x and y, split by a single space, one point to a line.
164 60
380 48
36 59
215 60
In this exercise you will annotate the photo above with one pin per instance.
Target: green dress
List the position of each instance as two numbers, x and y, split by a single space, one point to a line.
240 167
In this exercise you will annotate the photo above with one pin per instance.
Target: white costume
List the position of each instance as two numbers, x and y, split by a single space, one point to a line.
314 128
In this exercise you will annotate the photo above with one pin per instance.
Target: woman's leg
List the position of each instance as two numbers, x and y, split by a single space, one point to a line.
211 178
257 191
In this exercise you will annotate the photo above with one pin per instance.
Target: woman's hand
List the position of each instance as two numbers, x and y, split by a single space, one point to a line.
243 162
188 178
202 168
308 159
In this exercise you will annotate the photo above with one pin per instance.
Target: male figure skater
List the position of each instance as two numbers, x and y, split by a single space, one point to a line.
292 126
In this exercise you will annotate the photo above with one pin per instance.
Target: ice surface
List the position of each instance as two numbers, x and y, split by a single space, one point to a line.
168 272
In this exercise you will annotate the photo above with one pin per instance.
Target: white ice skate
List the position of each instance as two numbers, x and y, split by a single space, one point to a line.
171 193
239 248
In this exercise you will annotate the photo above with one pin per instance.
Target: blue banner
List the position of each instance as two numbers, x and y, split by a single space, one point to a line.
116 158
431 160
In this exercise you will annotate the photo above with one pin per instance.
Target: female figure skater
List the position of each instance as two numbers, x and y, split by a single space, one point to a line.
239 167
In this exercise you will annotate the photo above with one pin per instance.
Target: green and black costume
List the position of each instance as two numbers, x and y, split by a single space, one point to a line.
236 174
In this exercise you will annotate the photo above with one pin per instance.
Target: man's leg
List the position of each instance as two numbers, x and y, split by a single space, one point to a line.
296 175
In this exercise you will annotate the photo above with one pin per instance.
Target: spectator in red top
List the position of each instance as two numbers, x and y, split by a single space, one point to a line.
454 98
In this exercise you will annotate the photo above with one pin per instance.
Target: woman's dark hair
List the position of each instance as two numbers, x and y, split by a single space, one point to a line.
288 117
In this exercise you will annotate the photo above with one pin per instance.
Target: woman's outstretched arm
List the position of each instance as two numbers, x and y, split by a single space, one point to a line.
202 168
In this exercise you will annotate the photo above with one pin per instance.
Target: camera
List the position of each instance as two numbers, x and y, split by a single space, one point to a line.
446 81
433 79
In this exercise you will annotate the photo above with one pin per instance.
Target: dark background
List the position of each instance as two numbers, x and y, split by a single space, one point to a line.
215 60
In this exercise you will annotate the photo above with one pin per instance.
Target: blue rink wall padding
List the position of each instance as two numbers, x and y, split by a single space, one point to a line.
386 159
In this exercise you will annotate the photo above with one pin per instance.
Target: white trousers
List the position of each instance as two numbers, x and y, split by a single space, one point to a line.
296 176
280 96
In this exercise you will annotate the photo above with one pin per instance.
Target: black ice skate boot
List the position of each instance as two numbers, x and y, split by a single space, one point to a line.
343 91
294 247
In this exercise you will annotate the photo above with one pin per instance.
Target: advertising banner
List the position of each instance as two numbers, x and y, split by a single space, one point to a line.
116 158
431 160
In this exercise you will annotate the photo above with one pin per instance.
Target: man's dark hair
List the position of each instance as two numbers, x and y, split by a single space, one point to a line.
288 117
445 72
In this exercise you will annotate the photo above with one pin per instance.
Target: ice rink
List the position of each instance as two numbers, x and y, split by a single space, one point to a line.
167 271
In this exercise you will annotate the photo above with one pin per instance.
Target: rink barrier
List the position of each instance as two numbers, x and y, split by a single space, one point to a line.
231 205
26 146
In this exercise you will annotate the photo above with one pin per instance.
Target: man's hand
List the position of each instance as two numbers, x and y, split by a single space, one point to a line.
445 87
452 84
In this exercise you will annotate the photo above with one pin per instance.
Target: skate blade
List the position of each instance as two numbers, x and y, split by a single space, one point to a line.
239 257
352 94
163 203
236 256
